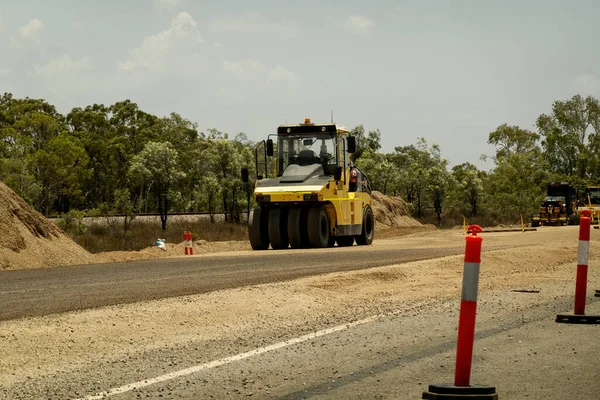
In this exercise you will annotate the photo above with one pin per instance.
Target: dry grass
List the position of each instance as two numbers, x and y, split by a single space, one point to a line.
102 234
105 235
485 220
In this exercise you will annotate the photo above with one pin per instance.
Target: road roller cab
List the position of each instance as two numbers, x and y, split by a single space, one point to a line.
306 200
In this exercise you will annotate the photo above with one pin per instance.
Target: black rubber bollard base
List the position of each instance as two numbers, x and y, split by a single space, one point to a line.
447 391
578 319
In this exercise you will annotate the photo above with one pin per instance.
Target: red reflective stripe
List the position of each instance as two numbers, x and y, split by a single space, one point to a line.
464 346
473 250
584 228
580 289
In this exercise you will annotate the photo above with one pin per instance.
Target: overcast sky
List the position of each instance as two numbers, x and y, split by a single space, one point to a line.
448 71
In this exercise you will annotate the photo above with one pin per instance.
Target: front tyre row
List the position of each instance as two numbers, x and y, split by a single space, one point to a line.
301 227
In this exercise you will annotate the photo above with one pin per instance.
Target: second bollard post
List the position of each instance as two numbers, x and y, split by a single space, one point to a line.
466 331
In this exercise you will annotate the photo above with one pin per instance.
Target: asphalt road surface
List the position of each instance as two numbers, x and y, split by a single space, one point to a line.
26 293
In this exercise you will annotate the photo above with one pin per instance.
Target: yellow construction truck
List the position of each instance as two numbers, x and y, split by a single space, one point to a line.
591 202
314 196
558 207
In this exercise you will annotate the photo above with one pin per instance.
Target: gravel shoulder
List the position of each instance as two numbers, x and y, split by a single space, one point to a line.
79 353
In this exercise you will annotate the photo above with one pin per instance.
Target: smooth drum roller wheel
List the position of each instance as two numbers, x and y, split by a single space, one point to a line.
278 232
258 228
297 228
318 227
368 228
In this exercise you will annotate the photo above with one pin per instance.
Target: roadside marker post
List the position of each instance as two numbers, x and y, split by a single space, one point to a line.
522 224
466 331
187 243
190 243
578 316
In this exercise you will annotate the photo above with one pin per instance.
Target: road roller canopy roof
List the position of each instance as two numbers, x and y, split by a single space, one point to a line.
309 128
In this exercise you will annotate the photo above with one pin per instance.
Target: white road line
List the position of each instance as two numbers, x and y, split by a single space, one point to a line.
227 360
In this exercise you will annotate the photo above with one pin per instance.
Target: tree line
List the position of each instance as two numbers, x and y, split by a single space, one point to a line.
118 158
566 147
121 159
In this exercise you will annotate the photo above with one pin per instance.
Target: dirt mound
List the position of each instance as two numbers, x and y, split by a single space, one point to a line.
391 212
29 240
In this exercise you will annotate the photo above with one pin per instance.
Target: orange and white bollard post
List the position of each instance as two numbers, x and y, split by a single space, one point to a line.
466 331
468 308
185 242
578 316
188 243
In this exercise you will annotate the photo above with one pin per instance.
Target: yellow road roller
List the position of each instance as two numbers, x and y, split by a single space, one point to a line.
313 196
